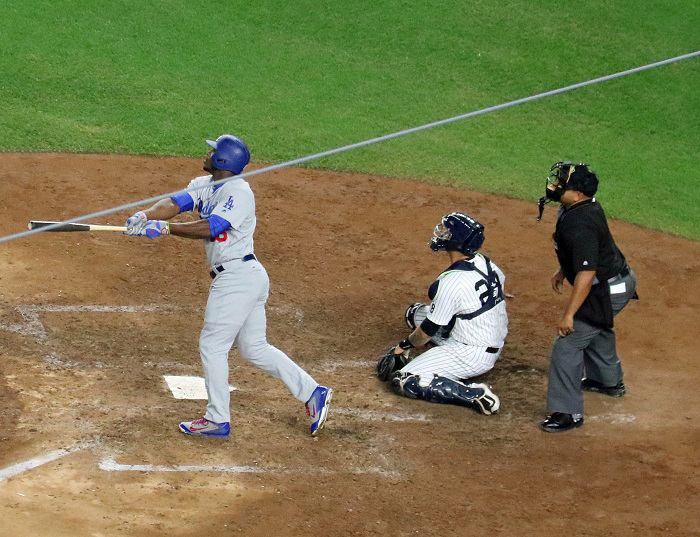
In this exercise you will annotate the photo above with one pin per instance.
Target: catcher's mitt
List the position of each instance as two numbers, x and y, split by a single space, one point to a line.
390 362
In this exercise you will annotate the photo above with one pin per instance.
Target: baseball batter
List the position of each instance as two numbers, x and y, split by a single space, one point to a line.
466 322
235 311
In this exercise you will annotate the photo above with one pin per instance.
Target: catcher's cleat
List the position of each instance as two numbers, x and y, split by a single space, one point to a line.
204 427
560 422
317 407
618 390
488 403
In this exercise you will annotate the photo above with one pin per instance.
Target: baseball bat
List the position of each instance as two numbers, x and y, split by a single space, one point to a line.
37 224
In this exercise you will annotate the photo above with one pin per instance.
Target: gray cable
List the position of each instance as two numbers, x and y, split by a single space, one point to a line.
360 144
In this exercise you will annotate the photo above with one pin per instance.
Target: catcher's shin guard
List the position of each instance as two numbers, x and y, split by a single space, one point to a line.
447 391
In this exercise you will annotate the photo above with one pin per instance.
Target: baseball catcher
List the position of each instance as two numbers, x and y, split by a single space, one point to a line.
465 325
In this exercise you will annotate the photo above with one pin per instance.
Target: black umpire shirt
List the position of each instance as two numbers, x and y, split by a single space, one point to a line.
583 242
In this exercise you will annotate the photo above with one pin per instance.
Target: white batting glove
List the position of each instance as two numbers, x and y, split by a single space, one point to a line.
135 223
154 228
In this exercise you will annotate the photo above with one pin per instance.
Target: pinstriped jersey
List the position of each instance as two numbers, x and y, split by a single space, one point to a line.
470 294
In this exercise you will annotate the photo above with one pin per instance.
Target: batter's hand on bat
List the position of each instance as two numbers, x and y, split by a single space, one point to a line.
135 223
154 228
558 281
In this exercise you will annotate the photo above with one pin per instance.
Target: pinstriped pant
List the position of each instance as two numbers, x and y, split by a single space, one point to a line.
451 359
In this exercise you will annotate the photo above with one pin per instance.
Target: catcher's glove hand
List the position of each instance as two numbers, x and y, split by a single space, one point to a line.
390 362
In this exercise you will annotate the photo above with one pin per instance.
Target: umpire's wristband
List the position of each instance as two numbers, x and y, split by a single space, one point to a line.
405 344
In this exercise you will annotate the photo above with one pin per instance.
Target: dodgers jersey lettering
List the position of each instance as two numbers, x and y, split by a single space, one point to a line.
234 202
475 298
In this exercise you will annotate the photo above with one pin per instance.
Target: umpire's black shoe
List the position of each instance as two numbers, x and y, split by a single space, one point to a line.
559 422
589 385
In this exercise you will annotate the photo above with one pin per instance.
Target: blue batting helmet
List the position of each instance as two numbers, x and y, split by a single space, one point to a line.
230 153
458 231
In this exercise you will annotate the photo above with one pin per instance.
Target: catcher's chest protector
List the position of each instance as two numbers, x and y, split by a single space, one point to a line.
492 290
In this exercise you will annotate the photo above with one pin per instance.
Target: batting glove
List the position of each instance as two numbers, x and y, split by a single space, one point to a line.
154 228
135 223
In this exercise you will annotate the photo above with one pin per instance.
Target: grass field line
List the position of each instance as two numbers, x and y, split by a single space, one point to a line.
357 145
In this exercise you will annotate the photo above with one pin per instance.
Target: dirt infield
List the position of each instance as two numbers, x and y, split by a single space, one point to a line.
91 322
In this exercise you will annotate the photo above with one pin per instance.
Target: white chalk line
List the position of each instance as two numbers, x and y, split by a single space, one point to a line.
330 367
613 418
30 464
110 465
371 415
32 325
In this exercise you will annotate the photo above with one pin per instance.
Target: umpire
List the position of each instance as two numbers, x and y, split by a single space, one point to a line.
584 355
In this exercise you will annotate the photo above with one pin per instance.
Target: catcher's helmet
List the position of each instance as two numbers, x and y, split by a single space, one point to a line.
230 153
458 231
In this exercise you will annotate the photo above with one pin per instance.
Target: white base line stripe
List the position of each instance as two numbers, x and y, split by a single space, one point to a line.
110 465
377 416
21 467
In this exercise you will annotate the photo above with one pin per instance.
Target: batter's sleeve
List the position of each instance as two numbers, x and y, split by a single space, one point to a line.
184 201
188 201
236 206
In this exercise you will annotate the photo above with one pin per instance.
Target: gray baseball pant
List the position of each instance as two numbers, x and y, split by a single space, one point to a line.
589 352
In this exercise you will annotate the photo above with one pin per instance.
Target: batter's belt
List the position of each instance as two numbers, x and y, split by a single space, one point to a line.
218 269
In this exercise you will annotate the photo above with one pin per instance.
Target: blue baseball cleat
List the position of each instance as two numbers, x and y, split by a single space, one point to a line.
317 407
204 427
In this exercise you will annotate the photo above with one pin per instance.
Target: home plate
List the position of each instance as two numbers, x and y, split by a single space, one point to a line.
183 387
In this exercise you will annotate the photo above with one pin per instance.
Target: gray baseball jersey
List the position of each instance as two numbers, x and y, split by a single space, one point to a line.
235 311
234 202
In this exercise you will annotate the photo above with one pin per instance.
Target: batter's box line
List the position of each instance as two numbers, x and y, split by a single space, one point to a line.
35 462
109 464
33 326
373 415
330 367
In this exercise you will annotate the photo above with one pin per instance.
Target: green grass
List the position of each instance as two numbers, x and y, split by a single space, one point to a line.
301 77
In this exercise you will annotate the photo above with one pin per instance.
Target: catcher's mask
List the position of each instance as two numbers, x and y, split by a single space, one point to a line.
230 153
457 232
559 180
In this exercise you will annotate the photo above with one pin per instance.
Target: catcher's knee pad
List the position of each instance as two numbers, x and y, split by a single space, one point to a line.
447 391
415 314
390 363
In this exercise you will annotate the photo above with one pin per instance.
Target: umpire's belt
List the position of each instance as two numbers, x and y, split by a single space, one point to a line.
623 273
218 269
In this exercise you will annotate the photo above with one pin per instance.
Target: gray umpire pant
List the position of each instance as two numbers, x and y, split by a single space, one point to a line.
588 352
